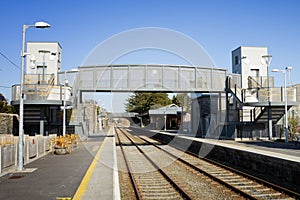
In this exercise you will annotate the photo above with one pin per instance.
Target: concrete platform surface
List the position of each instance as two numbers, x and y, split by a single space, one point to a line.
90 171
275 149
64 176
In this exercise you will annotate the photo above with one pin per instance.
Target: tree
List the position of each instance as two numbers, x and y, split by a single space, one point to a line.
175 101
293 126
141 102
4 108
182 100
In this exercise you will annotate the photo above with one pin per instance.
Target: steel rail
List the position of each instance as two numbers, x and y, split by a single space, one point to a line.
243 174
131 175
242 193
183 193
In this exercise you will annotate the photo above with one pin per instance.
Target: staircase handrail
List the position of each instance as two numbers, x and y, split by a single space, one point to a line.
252 80
256 112
232 87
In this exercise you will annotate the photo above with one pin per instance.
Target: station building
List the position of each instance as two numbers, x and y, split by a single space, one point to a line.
44 92
248 107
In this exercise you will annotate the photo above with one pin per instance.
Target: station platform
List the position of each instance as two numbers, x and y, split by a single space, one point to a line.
270 148
87 173
90 171
277 149
273 161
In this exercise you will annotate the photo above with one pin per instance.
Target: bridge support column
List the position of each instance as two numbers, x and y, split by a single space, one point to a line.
270 126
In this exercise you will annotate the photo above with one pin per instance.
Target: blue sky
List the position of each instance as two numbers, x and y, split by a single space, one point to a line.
218 25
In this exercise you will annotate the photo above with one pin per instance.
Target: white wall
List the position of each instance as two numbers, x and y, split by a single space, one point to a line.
249 58
35 59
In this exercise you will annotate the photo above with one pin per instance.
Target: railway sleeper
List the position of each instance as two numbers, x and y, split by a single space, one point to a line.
157 190
162 198
155 182
230 177
267 195
263 189
245 184
160 195
235 181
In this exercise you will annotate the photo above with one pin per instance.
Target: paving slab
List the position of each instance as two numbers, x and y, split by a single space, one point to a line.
101 180
55 177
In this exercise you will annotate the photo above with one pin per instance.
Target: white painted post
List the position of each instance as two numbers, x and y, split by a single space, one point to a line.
44 138
16 154
37 146
27 150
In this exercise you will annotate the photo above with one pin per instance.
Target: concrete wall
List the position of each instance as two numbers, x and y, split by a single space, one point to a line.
90 116
282 172
245 59
7 123
208 115
35 60
35 147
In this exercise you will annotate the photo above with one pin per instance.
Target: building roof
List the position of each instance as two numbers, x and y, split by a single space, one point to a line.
171 109
45 42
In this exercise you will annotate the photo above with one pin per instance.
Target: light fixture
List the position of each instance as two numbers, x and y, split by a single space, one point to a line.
42 25
21 115
287 69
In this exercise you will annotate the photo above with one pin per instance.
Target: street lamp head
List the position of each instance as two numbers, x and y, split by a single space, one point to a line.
267 59
41 25
289 68
275 70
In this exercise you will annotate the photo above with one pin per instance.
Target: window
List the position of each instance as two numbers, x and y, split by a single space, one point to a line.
254 72
236 60
40 69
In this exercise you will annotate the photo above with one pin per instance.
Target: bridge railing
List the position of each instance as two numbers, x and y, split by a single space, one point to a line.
151 78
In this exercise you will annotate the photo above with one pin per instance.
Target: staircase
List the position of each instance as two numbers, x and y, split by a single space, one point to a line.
32 115
253 105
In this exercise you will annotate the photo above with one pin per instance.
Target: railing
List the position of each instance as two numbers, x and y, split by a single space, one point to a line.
276 94
237 91
256 112
38 92
45 79
260 81
258 94
253 82
251 114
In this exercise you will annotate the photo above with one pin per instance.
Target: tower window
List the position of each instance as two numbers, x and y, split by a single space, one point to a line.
236 60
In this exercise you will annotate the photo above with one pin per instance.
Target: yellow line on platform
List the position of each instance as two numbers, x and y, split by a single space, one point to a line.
86 179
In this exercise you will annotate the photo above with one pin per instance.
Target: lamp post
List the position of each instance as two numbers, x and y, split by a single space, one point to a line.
267 59
21 130
287 69
64 106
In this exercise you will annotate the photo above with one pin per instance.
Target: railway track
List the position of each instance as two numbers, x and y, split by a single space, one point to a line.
242 184
155 183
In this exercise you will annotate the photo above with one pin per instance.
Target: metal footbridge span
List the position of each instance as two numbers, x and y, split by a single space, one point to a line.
150 78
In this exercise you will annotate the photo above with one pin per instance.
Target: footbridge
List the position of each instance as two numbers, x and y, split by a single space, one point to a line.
242 106
128 115
150 78
143 78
